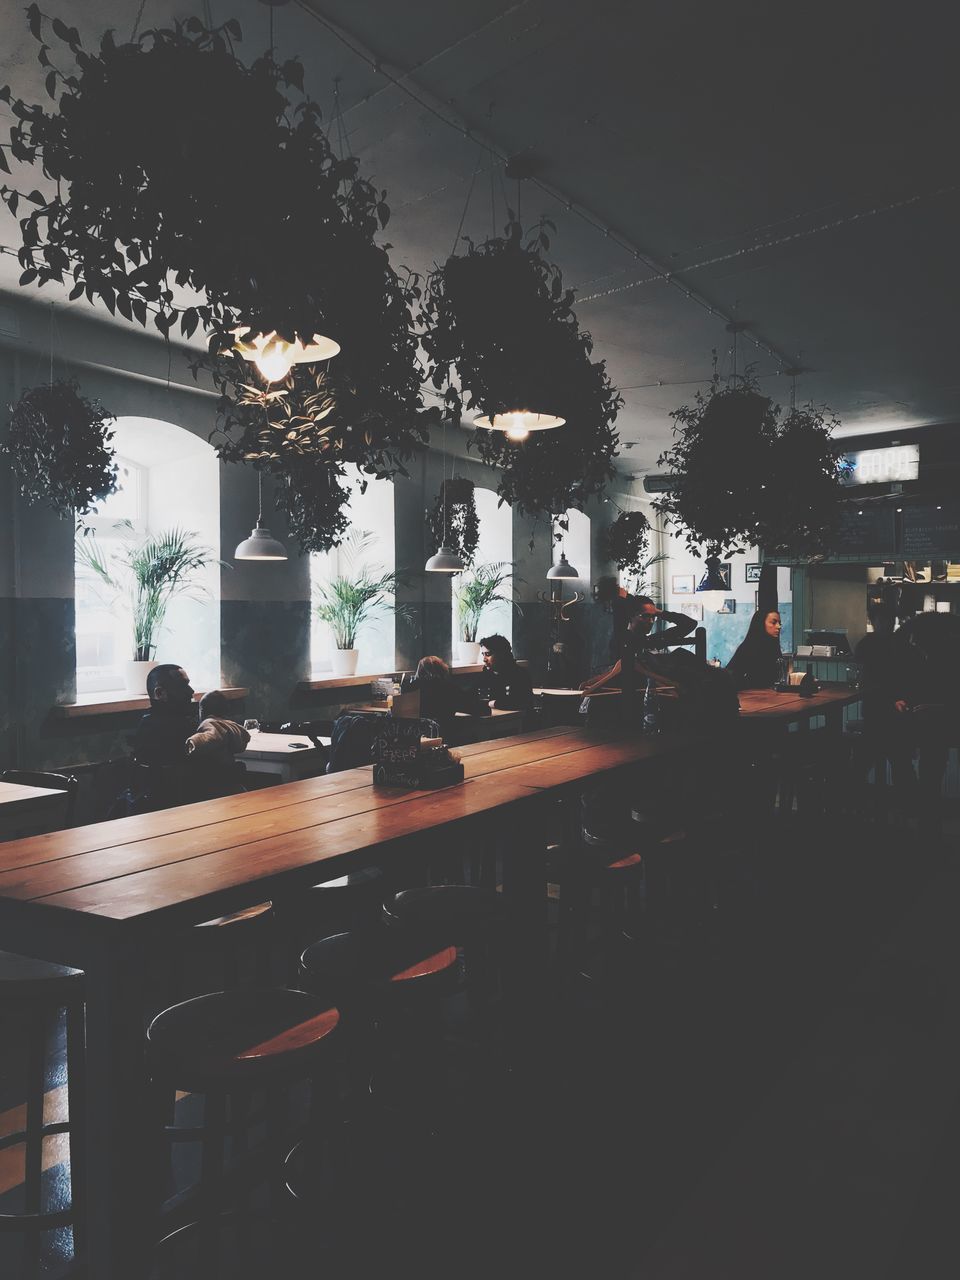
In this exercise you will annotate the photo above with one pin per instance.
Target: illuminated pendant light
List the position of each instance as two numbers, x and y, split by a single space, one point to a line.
562 569
261 545
274 356
445 559
712 585
517 424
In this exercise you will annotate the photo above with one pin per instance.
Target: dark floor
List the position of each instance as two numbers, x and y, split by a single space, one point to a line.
767 1090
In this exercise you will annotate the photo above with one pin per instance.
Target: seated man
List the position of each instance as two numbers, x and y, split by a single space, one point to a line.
504 685
159 742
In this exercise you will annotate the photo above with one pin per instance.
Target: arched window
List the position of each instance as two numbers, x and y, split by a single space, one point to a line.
169 479
495 546
370 511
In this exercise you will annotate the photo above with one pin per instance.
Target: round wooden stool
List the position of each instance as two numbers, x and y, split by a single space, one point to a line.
32 996
227 1046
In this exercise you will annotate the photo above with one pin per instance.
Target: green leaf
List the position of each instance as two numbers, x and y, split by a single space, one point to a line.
50 83
33 19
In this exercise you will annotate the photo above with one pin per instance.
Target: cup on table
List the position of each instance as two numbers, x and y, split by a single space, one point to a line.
251 726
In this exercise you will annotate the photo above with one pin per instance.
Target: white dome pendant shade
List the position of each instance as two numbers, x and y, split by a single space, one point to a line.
562 569
261 545
274 356
444 560
517 424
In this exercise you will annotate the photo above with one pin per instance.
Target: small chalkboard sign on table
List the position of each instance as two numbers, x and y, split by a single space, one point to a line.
399 760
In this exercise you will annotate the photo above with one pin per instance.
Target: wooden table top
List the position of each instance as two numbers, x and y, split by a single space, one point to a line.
578 693
767 704
135 867
16 794
278 746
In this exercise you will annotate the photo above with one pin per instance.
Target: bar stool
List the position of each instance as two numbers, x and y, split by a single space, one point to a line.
340 905
390 985
32 994
472 916
227 1046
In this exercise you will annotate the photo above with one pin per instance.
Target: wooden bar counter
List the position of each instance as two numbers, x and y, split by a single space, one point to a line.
98 897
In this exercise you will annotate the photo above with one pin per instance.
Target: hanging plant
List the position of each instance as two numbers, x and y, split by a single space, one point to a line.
238 199
454 522
627 541
743 477
313 498
60 448
500 335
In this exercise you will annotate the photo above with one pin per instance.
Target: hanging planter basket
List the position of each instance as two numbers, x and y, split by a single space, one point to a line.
454 522
313 498
240 199
627 542
60 448
501 336
742 475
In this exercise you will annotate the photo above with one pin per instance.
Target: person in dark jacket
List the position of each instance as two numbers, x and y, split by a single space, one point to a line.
504 685
159 743
885 685
638 642
441 697
756 663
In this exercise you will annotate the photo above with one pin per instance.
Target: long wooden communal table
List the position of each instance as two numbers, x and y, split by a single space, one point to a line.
98 897
766 706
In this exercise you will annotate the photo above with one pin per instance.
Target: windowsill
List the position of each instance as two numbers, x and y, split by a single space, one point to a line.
106 704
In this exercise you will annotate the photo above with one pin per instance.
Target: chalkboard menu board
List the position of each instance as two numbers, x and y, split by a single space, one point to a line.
931 531
872 532
396 749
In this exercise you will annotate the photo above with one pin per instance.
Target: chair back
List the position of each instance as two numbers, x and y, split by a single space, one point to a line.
54 782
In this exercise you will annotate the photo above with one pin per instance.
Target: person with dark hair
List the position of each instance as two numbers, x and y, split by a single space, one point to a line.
161 735
886 684
932 685
441 697
756 663
634 637
504 685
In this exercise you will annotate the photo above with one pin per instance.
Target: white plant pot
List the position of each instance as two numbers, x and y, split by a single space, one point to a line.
469 652
135 677
343 662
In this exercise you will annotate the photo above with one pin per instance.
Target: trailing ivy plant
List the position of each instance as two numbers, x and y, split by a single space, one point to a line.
241 202
627 541
454 522
743 475
500 333
60 448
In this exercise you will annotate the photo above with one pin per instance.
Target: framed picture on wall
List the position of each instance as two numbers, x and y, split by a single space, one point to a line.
682 584
753 573
725 573
693 611
728 606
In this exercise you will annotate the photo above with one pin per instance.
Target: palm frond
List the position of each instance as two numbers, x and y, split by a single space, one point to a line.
477 590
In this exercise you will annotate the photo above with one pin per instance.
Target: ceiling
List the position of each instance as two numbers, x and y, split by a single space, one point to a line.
792 167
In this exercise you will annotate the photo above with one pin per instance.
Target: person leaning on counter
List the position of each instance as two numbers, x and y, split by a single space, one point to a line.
633 634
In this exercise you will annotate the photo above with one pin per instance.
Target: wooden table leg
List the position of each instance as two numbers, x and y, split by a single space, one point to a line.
119 1223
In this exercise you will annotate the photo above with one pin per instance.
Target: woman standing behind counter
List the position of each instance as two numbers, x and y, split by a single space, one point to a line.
756 663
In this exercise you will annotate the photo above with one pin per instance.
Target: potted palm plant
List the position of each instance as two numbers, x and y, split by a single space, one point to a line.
472 594
352 598
144 575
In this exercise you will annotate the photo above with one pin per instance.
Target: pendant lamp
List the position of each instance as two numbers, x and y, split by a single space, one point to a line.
712 585
518 423
562 569
445 559
274 356
261 545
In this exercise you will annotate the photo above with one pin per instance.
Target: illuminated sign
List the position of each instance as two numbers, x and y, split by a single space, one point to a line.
883 466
